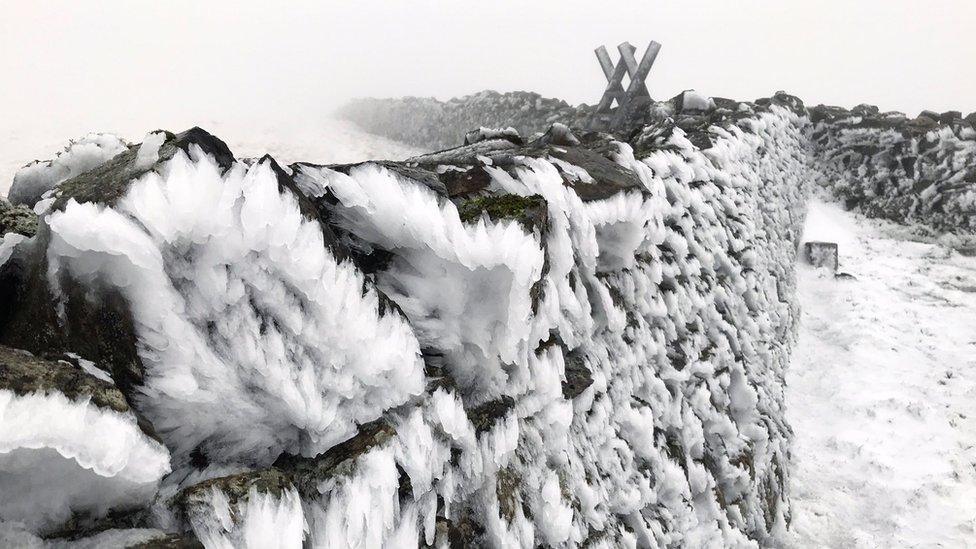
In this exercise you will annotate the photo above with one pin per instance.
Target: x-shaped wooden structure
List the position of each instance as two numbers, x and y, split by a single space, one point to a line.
636 93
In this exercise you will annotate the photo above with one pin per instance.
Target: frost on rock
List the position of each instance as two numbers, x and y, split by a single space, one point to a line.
578 340
250 332
661 274
79 156
69 445
259 510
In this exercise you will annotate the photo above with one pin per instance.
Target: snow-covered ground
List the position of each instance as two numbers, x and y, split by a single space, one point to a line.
329 141
882 392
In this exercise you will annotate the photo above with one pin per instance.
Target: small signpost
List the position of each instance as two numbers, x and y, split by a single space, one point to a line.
635 95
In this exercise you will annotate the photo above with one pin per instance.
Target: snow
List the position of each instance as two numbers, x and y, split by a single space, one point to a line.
694 101
477 311
148 153
882 391
8 242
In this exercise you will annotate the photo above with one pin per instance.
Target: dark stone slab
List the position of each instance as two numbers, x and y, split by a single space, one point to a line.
821 254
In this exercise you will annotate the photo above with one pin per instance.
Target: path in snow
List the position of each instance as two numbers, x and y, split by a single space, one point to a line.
882 392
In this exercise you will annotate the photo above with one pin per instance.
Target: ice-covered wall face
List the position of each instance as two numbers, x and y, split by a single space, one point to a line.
254 339
910 171
674 297
572 341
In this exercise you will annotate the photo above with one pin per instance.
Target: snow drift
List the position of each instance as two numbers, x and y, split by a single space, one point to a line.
575 340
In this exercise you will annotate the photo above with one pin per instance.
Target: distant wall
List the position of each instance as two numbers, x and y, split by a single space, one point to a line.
427 122
920 170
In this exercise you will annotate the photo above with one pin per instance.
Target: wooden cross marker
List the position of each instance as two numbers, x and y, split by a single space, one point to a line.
636 93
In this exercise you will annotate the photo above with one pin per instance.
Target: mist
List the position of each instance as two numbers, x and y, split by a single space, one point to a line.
67 68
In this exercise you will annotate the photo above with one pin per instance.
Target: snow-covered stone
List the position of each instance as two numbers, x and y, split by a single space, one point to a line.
78 157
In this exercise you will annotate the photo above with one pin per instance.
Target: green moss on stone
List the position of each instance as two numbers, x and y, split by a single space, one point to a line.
17 219
530 211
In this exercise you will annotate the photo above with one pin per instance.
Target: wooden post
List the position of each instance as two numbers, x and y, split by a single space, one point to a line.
636 93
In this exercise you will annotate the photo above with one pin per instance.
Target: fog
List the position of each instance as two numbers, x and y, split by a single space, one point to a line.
130 67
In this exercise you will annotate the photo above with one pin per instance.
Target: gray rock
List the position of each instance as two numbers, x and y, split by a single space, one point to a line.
578 377
924 122
23 374
110 181
949 117
484 134
558 135
865 110
821 254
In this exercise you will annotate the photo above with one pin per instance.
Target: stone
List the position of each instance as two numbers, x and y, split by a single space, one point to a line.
307 474
692 101
485 416
822 113
23 373
529 211
17 219
865 110
609 177
924 122
170 541
110 181
949 117
578 377
270 481
559 135
485 134
821 254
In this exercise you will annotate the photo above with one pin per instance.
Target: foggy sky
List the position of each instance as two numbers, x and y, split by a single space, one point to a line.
169 64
